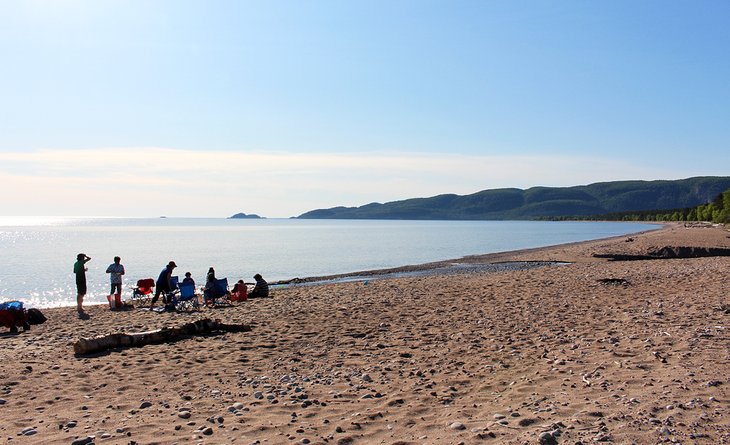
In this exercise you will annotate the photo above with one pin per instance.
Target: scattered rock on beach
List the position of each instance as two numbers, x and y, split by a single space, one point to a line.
83 441
29 431
208 431
526 422
547 438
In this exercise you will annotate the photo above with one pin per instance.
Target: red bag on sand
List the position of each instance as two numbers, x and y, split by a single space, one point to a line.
115 301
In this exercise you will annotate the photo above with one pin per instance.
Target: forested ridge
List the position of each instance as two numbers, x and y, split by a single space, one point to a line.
717 211
622 199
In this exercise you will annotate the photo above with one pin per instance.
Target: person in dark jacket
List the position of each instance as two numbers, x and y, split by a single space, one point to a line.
261 289
209 289
188 279
164 282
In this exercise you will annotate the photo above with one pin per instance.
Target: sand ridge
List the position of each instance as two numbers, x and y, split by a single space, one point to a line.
549 355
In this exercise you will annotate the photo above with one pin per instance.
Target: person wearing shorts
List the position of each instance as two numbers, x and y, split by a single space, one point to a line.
116 270
80 271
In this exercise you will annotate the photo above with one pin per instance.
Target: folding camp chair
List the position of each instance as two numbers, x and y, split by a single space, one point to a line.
142 293
187 299
218 295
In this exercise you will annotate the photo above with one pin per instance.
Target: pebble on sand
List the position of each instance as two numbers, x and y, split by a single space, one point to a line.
29 431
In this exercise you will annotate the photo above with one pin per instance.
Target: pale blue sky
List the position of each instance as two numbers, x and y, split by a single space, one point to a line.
279 107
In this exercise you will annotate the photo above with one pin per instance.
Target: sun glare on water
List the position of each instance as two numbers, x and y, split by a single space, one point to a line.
36 220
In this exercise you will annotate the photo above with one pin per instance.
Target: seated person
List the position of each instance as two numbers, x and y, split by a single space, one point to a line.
209 289
261 290
188 279
239 292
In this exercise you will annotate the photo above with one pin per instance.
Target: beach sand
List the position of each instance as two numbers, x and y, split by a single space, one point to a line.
545 355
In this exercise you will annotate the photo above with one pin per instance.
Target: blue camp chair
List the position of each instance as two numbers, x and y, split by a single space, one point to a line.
187 300
218 295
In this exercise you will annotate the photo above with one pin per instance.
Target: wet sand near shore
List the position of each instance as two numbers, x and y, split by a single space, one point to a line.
593 351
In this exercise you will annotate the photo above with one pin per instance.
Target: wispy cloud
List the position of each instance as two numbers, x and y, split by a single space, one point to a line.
163 181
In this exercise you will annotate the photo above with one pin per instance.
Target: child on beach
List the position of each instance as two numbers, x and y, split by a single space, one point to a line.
239 292
188 279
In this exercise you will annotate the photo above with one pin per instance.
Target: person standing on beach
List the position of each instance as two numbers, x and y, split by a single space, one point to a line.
116 270
80 271
164 284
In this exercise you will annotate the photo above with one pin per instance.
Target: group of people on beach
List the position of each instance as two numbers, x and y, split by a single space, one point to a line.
240 292
164 283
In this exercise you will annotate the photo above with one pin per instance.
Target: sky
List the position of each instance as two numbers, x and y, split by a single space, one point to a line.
210 108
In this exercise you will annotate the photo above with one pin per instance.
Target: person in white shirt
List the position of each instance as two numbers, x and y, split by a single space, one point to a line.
116 270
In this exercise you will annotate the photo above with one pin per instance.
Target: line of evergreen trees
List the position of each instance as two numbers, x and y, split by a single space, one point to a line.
718 211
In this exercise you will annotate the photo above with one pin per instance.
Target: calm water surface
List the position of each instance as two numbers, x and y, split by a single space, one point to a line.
36 265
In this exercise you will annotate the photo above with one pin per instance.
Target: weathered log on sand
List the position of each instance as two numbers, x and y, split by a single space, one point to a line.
164 335
667 253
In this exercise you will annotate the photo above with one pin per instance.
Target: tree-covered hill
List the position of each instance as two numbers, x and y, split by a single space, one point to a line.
542 202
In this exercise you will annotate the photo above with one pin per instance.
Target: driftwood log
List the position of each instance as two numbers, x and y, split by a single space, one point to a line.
668 252
164 335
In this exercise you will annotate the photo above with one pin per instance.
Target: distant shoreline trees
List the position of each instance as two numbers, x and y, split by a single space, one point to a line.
716 211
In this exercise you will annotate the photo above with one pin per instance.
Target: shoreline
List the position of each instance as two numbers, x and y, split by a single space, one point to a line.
478 259
445 266
594 351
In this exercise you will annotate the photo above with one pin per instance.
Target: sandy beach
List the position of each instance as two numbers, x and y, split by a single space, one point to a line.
546 355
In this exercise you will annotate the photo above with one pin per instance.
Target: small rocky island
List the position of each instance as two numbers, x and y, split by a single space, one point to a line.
245 216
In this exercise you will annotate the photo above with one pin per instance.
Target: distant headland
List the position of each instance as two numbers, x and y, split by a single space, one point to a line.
245 216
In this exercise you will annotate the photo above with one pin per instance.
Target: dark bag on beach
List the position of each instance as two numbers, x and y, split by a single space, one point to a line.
35 316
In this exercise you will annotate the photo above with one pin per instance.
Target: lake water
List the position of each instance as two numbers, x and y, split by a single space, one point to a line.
36 265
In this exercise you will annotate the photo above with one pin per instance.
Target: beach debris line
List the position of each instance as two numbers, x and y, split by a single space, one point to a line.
164 335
